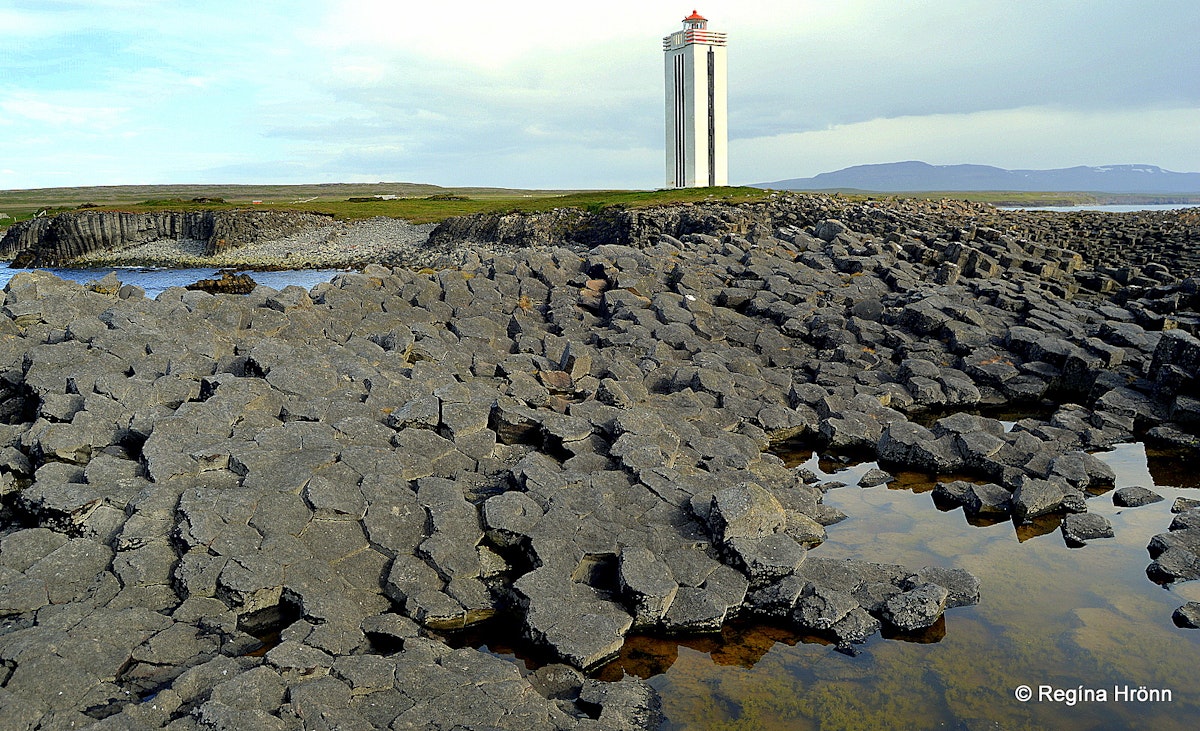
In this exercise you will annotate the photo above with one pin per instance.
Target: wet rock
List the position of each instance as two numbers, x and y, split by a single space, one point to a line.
875 477
768 558
1183 504
987 500
962 586
916 608
951 494
228 282
1186 519
1078 529
912 445
1187 616
1174 564
820 608
1135 497
1081 470
855 628
1034 498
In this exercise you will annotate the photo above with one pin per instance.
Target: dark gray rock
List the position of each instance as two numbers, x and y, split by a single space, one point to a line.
1034 498
916 608
912 445
1187 616
1174 564
510 517
570 618
1135 497
875 477
707 607
987 500
648 586
626 705
1183 504
1081 470
1078 529
962 586
768 558
820 608
745 510
1186 519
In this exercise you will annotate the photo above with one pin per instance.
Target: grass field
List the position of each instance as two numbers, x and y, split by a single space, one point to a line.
416 203
430 203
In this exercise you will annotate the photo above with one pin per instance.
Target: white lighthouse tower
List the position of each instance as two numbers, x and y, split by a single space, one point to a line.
697 126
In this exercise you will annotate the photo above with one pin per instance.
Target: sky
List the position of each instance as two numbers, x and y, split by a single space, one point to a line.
570 95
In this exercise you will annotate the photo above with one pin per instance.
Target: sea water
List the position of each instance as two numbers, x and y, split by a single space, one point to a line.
1110 208
155 280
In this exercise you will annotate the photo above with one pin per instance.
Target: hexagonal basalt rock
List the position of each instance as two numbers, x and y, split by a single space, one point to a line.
1135 497
916 608
1078 529
570 618
544 422
745 510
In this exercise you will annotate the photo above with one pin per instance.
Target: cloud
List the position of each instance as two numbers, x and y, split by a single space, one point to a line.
571 94
59 110
482 33
912 59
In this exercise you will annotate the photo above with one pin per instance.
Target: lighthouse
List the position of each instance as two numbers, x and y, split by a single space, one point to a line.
697 126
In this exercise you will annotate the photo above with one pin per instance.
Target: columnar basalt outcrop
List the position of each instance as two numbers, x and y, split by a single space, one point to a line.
58 240
577 437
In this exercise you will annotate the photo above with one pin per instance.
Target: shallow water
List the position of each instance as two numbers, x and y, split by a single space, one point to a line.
1110 208
1049 615
154 280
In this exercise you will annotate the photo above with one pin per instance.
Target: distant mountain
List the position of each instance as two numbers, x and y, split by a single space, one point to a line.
920 176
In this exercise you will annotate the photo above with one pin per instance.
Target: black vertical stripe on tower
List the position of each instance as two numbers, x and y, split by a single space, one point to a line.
712 118
680 140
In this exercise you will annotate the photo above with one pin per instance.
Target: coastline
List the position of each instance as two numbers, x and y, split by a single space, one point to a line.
573 424
341 245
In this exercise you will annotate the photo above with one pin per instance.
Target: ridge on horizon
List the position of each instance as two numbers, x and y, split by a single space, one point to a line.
917 176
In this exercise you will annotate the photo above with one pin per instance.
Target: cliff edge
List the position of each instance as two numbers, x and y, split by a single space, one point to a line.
54 241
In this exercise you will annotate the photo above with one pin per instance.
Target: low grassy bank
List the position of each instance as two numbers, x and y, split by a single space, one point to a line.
430 203
415 203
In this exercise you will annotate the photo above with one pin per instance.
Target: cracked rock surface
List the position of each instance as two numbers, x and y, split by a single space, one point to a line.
574 436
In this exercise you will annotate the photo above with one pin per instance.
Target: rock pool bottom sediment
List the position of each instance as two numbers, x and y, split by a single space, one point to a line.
1050 615
578 436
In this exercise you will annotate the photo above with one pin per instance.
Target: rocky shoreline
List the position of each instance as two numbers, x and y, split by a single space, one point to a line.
256 240
259 511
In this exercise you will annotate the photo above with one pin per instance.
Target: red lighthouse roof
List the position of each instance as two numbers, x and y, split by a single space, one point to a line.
695 16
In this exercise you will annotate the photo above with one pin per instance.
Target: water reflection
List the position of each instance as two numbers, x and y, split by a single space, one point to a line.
739 644
154 280
1171 467
1049 614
